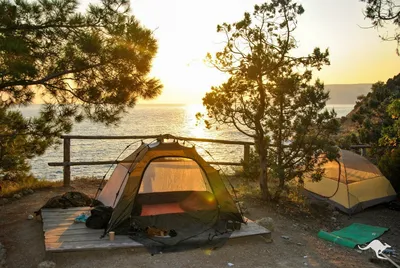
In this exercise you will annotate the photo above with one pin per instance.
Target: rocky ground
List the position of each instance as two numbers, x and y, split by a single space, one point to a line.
295 242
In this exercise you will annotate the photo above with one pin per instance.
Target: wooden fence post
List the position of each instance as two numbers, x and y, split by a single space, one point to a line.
246 156
67 158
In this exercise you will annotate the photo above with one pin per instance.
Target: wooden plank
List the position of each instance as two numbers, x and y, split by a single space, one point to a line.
75 246
166 136
103 137
48 227
63 215
226 163
66 212
250 229
75 238
82 163
55 220
62 234
54 210
64 230
111 162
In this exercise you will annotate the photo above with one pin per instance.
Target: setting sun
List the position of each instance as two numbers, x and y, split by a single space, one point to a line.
186 31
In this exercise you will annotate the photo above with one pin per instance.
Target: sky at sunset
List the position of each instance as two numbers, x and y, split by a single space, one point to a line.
186 31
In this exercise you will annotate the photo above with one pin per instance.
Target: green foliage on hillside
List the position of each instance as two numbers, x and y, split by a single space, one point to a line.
376 117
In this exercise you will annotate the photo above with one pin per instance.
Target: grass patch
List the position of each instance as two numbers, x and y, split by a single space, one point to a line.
9 188
89 180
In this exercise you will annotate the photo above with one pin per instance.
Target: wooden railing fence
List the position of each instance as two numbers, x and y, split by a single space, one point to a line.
66 164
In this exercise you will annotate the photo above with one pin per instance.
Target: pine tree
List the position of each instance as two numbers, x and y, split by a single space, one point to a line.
269 99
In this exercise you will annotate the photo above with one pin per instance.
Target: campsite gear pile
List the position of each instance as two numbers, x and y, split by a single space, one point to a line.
351 184
99 217
167 197
69 199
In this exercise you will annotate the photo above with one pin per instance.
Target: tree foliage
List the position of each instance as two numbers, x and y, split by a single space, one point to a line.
270 96
16 149
377 123
383 13
91 65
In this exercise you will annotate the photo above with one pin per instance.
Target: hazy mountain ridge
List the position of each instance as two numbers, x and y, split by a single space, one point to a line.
346 93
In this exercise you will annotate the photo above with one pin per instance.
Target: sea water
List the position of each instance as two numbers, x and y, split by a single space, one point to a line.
178 120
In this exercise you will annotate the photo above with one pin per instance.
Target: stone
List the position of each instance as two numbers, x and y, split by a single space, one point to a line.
3 255
266 222
25 192
47 264
335 213
30 191
3 201
333 219
17 196
30 217
285 237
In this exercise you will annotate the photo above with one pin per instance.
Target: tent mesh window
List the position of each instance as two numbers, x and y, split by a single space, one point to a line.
168 174
178 210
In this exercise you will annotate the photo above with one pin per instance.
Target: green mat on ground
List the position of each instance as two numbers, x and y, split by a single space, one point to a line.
355 234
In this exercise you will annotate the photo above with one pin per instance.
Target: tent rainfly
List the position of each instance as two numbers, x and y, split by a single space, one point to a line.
170 187
353 186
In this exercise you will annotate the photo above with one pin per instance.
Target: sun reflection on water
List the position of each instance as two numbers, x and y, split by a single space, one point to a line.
197 128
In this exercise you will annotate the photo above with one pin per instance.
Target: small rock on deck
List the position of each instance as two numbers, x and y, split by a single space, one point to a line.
61 233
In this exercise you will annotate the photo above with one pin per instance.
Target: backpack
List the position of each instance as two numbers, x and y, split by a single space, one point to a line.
99 218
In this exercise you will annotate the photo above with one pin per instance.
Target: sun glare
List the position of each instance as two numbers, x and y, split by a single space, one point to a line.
197 128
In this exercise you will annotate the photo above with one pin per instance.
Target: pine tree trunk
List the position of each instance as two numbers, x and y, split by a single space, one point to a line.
263 179
280 148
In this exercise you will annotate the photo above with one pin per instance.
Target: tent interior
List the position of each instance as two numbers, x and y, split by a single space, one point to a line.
168 198
351 184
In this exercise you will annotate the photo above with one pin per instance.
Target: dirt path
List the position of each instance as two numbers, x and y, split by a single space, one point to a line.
23 240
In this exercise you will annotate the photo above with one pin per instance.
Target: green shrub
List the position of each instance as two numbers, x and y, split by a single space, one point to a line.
389 164
251 170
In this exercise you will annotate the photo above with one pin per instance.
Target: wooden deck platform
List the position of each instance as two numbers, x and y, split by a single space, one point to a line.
61 233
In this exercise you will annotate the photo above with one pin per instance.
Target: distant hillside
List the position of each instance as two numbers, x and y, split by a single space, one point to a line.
346 93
